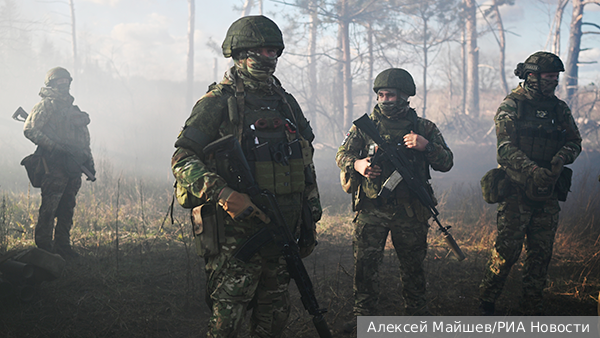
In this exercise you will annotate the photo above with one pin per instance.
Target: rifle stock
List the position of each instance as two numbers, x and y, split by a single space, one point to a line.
229 148
401 164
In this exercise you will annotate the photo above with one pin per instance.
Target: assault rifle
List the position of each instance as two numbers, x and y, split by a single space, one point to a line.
403 172
21 115
277 230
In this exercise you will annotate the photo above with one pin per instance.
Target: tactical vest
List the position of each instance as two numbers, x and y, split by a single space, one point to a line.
272 145
393 131
539 129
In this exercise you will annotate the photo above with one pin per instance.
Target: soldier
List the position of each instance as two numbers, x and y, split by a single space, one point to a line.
401 214
537 136
60 131
250 104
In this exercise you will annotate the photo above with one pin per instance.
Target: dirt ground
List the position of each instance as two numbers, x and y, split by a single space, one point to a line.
156 289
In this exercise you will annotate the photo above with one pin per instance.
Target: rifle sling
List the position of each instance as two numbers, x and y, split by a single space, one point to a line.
253 244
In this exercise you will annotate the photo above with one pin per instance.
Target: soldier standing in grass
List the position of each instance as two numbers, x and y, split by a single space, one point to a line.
401 214
537 136
250 104
60 131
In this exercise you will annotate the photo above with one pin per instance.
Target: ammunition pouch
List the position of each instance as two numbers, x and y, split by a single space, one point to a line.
208 229
185 198
563 184
495 186
36 168
280 168
539 194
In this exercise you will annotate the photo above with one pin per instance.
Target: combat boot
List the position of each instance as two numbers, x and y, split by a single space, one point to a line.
66 252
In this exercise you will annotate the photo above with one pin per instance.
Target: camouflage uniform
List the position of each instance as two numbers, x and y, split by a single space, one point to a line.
57 127
401 214
233 287
520 219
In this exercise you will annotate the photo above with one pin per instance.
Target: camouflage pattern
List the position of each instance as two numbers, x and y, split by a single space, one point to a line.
520 220
409 236
508 153
234 286
59 192
404 216
57 126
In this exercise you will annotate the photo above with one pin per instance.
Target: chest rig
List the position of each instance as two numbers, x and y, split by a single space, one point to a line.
393 131
271 143
540 129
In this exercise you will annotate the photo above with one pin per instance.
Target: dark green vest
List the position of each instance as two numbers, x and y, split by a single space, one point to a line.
539 128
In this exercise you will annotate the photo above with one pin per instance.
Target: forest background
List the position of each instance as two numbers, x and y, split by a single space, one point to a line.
139 66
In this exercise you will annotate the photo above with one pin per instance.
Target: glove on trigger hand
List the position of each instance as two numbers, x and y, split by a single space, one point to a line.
542 177
239 206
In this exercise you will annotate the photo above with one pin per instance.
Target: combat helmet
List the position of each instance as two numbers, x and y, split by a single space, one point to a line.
395 78
252 32
539 62
57 73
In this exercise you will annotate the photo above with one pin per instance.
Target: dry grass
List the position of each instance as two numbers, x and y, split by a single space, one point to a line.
157 287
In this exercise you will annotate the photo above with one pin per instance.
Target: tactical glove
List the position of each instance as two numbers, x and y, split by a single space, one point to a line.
557 165
239 206
542 177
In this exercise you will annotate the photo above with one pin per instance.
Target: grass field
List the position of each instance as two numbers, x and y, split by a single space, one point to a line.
139 276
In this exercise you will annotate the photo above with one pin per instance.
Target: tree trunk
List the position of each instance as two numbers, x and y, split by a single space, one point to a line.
502 44
425 34
347 64
247 7
472 99
557 22
312 62
370 70
74 38
463 58
190 53
571 68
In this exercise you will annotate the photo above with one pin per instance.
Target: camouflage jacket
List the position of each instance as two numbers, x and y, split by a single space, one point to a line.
508 153
210 119
440 158
55 123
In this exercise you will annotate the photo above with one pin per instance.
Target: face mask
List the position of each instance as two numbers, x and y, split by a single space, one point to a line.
392 108
545 86
548 86
261 67
63 88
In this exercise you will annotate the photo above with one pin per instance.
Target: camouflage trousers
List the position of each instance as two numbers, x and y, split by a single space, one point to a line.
521 222
59 193
233 287
409 237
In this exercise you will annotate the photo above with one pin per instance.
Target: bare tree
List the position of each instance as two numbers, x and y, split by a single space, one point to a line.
472 51
555 30
74 38
575 34
247 7
434 26
501 38
190 54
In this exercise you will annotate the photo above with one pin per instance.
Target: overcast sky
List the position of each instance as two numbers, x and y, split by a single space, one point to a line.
148 37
